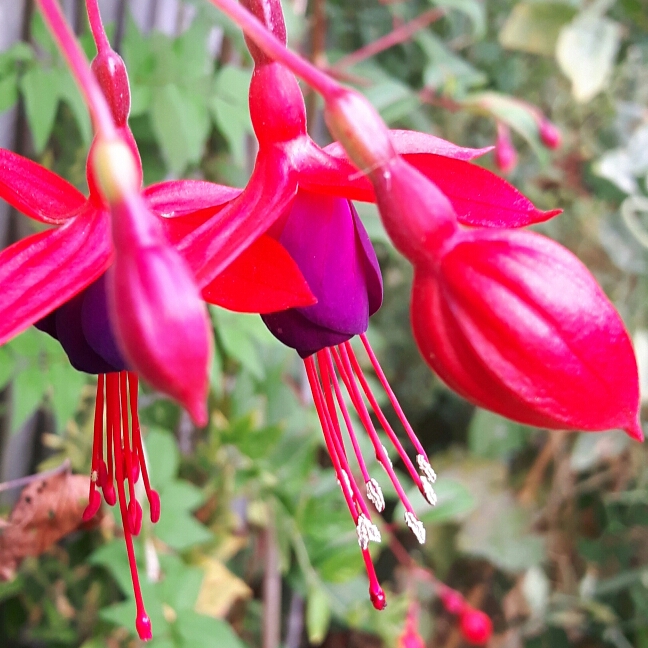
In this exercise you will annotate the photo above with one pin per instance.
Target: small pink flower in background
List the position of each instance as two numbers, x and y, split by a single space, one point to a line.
505 153
476 627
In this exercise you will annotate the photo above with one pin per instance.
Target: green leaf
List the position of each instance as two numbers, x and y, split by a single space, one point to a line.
586 51
318 615
513 113
163 457
230 110
535 26
200 631
499 530
454 502
180 530
40 88
67 384
181 125
7 365
70 93
473 9
8 92
29 387
494 437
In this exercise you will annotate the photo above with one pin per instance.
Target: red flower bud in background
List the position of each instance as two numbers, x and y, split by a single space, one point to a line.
410 637
549 134
476 627
505 153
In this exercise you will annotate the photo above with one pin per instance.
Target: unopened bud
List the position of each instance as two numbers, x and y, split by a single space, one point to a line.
476 627
505 153
360 129
161 322
550 134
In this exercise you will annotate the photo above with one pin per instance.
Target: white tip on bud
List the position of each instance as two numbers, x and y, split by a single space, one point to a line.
428 491
367 531
416 526
375 495
425 468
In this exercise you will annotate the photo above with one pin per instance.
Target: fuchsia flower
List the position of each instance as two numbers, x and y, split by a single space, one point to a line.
509 319
300 194
129 306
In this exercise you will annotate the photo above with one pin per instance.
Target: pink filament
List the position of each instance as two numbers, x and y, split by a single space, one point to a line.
125 456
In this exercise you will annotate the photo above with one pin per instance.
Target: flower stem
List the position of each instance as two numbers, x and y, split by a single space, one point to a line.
275 49
98 32
80 68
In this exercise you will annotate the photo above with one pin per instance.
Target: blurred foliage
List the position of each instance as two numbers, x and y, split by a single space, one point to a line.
545 532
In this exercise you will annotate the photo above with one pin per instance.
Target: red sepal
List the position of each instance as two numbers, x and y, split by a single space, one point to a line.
181 197
263 279
269 193
37 192
41 272
480 198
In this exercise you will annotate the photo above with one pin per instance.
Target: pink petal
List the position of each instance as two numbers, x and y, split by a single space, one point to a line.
263 279
180 197
215 244
41 272
37 192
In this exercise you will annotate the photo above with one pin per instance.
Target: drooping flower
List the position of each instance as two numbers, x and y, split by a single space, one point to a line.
58 280
300 195
509 319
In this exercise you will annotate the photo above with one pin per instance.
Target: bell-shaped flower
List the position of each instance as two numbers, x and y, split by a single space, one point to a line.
509 319
328 241
57 280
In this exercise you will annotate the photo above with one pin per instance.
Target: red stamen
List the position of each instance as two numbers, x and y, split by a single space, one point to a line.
345 414
379 413
142 621
134 507
138 447
94 499
337 437
392 397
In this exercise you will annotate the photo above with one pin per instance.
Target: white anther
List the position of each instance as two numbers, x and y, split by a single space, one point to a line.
389 461
416 526
428 491
346 487
94 476
375 495
367 531
425 468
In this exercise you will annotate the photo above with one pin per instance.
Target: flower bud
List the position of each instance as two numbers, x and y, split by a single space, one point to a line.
156 311
515 323
417 215
505 153
549 134
360 129
410 637
110 71
476 627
